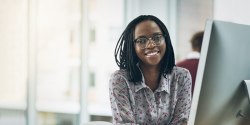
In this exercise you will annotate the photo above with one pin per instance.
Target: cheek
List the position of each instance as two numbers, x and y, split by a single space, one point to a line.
137 50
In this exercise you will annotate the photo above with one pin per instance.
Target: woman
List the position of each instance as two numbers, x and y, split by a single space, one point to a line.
148 89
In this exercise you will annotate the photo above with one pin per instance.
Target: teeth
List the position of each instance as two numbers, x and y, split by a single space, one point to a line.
151 54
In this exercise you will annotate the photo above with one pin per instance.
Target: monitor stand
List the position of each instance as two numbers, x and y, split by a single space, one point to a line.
247 85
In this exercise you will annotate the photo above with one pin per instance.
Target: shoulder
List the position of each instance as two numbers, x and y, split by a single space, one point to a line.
180 70
120 74
180 74
183 75
180 79
119 80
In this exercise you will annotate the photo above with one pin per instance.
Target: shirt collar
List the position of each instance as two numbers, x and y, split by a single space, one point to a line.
163 85
193 55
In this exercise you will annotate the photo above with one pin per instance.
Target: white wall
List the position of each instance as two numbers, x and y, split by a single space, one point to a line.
158 8
236 11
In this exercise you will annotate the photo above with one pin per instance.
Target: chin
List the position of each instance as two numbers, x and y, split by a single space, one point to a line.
153 63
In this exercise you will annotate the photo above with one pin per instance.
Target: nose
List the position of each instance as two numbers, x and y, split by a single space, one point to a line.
151 44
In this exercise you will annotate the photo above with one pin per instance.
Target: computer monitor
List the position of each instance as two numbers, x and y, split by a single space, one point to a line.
219 91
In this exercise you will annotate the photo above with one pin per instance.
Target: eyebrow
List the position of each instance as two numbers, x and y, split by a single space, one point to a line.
146 37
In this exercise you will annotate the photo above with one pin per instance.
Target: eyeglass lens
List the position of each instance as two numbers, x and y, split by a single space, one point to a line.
157 40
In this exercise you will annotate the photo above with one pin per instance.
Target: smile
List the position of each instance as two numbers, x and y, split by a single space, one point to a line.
152 54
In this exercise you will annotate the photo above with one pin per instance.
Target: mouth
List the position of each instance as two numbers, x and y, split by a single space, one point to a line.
152 53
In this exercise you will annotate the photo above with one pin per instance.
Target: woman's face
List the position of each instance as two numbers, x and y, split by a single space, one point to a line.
152 54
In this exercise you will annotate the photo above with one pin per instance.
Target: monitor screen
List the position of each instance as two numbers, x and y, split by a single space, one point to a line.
219 91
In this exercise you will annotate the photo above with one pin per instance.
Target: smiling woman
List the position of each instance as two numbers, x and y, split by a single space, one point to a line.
148 88
151 54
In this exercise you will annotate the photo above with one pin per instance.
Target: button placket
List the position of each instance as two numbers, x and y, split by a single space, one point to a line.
158 103
152 102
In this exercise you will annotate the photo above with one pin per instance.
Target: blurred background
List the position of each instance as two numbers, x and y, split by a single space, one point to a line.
56 56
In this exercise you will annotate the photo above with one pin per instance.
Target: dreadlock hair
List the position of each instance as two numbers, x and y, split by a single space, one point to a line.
126 57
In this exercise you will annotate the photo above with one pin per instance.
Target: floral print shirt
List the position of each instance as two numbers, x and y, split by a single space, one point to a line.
136 104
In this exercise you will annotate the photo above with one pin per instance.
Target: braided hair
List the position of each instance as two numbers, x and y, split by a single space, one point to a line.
125 55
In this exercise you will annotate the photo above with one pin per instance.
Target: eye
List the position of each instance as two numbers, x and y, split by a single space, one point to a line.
157 38
142 41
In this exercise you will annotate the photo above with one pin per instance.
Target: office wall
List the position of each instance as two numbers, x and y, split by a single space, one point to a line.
236 11
191 18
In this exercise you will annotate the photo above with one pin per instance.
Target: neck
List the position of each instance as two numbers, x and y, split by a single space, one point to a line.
151 75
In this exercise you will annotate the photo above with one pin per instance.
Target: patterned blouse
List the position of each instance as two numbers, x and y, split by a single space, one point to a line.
136 104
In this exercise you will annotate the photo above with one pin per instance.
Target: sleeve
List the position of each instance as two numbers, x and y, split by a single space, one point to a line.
182 109
120 102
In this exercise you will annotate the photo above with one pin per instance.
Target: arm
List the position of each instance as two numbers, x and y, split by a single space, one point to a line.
182 108
120 102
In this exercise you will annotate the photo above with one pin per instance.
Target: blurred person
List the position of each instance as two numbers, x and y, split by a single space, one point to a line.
192 60
148 88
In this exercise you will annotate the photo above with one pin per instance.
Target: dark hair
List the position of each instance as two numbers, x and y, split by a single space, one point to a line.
196 40
126 52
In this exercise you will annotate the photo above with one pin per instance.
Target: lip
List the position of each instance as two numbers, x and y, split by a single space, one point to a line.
151 52
152 56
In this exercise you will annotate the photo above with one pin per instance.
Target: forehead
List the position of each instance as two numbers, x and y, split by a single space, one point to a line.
146 28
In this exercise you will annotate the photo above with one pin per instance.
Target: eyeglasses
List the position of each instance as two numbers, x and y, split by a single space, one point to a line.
142 43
